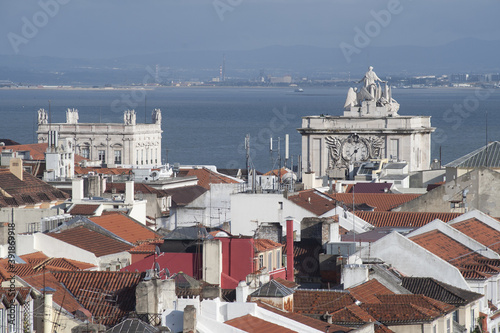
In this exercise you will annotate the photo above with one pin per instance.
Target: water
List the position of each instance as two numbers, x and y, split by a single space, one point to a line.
208 125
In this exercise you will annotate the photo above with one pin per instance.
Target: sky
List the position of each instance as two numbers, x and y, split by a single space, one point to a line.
113 28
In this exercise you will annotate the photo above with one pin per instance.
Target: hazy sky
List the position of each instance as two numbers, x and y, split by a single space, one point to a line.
108 28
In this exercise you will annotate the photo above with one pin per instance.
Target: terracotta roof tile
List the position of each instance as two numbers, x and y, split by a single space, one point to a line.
366 292
28 191
82 209
138 187
320 301
311 322
286 283
109 296
125 227
207 177
403 219
441 245
91 241
37 150
481 232
145 248
251 324
418 300
381 201
314 201
399 313
61 294
103 171
262 245
351 315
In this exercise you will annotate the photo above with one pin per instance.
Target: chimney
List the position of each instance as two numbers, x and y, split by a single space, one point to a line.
47 309
129 192
242 292
16 167
189 319
289 250
77 190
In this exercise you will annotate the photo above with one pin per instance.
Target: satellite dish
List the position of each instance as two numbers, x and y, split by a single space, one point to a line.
167 272
157 267
157 250
155 175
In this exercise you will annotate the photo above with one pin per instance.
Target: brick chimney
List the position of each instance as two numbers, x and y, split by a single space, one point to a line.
289 250
16 167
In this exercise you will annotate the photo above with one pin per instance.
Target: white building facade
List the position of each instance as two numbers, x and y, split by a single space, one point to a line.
110 143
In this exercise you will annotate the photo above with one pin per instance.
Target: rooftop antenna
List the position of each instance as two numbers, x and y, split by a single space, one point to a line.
145 115
247 148
486 130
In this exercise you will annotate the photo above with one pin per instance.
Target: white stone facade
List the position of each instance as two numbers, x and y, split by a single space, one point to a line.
111 143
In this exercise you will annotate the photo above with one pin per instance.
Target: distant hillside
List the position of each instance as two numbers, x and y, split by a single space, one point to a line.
467 55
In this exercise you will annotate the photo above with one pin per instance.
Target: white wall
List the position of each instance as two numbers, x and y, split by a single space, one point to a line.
248 211
413 260
53 247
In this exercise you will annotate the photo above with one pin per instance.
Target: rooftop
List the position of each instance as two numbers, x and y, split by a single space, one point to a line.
206 177
381 201
125 227
91 240
272 289
262 245
249 323
481 232
366 292
486 156
29 191
403 219
439 290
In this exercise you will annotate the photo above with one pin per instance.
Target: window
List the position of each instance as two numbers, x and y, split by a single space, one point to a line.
394 149
261 261
278 259
118 157
101 155
137 157
85 152
270 261
434 329
142 156
455 316
448 325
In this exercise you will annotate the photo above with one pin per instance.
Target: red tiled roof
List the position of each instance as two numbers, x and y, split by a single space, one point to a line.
125 227
320 301
61 295
138 187
109 296
91 241
251 324
481 232
381 201
145 248
441 245
207 177
366 292
311 322
399 313
314 201
262 245
82 209
418 300
286 283
403 219
29 191
351 315
104 171
37 150
370 188
471 264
